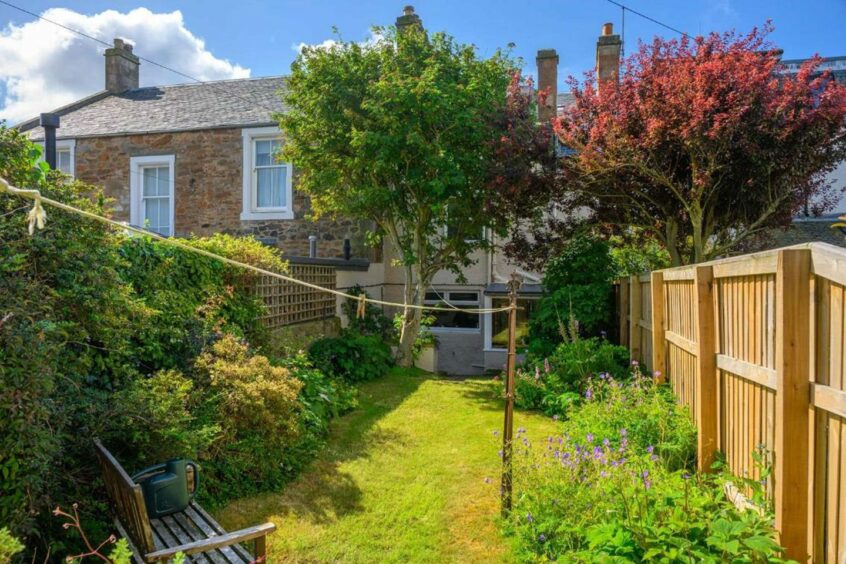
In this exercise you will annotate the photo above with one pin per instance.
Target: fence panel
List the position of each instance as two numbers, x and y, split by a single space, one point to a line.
287 303
754 347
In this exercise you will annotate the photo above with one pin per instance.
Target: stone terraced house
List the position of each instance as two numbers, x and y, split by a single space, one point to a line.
197 159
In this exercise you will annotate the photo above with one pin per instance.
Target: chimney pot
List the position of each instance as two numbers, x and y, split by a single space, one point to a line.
408 19
608 48
547 61
121 67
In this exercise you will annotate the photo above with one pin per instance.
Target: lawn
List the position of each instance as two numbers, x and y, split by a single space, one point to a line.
401 479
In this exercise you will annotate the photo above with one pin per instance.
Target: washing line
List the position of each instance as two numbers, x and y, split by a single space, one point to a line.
37 218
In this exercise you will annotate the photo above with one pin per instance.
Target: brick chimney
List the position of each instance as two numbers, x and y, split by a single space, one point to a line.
408 18
608 55
121 67
547 61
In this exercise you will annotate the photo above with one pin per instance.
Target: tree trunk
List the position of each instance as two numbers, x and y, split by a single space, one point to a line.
415 289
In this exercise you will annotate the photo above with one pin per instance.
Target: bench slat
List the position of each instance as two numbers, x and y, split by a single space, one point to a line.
197 534
184 537
204 516
230 552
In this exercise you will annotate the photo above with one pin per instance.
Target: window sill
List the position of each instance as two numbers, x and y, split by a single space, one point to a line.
260 216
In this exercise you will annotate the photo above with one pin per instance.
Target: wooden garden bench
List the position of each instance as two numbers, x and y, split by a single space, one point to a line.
192 532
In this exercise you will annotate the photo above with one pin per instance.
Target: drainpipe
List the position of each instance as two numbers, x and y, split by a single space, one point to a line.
312 246
50 122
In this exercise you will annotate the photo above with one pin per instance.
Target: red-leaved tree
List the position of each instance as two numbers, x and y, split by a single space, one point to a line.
703 144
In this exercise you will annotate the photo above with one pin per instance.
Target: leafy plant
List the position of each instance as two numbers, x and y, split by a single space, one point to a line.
352 357
576 284
9 545
616 485
374 321
555 382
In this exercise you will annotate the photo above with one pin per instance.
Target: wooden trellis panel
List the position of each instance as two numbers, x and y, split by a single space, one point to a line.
287 303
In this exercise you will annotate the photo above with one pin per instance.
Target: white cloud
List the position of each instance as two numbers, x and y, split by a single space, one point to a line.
374 38
43 67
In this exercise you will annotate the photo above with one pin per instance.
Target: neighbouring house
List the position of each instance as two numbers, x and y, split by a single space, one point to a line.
198 159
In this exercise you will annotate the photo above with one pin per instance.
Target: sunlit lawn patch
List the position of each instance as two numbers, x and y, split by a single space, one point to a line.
402 479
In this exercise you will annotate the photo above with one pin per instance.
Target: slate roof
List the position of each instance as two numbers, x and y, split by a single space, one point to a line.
182 107
565 99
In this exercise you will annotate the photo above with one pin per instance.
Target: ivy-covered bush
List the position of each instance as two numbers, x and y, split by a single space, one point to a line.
352 357
617 485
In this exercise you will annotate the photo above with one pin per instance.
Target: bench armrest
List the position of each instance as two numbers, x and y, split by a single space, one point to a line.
212 543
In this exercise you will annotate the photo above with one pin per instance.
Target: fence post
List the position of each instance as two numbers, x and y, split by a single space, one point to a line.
793 307
659 326
623 312
706 367
634 318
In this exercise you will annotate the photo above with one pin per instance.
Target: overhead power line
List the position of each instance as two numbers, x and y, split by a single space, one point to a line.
145 59
644 16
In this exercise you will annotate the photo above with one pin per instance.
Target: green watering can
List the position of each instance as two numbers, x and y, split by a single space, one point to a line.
165 486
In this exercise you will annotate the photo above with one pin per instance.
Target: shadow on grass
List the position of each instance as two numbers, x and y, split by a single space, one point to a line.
324 492
484 392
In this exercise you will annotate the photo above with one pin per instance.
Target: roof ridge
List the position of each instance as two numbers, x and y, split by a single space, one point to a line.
205 82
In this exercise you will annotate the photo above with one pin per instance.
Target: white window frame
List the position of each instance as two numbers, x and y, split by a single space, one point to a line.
459 304
61 145
249 193
136 165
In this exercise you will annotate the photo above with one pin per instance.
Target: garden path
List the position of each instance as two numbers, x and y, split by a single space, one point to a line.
403 478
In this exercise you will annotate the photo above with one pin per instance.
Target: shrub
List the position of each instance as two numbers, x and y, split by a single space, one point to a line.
577 283
155 420
352 357
615 486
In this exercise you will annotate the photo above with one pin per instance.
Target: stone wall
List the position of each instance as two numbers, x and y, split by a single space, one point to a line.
208 188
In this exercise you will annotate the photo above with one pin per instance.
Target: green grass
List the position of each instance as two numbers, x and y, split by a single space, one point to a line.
401 479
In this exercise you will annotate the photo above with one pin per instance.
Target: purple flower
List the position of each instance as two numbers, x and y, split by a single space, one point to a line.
603 474
644 474
635 363
650 449
657 374
496 433
588 394
647 484
606 443
542 537
589 437
529 517
500 453
685 476
624 432
602 375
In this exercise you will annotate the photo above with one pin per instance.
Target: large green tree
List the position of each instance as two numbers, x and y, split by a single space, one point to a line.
404 131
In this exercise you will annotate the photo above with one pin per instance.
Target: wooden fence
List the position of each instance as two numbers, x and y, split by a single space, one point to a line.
287 303
754 346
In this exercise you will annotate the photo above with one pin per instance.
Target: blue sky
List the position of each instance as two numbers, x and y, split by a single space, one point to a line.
260 36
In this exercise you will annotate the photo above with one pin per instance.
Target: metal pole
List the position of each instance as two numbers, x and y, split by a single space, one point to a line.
508 427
